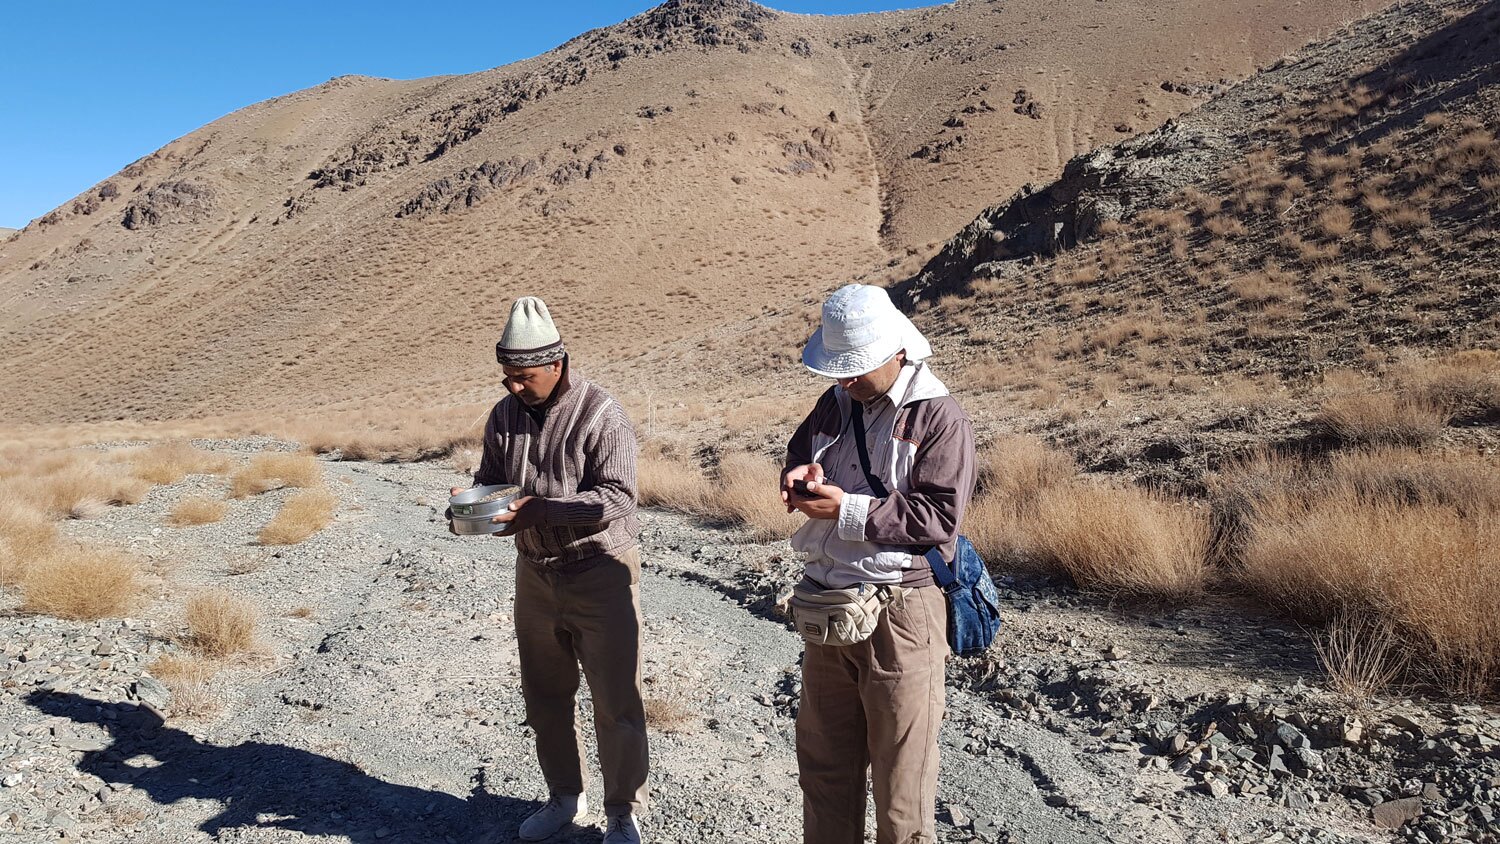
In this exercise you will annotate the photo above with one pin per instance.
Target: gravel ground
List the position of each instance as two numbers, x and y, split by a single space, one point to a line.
383 703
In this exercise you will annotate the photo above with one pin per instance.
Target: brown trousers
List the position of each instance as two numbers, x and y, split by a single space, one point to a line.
591 617
875 706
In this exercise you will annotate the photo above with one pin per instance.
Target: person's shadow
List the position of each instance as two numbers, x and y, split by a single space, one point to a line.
272 785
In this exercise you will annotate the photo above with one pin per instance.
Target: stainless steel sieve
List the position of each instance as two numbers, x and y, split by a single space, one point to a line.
473 508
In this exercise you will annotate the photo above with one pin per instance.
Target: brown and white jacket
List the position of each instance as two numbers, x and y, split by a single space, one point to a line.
921 446
581 459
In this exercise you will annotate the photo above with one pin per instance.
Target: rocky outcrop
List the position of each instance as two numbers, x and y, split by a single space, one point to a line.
1111 183
1118 181
181 201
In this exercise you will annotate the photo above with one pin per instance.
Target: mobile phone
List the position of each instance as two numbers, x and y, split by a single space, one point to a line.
799 486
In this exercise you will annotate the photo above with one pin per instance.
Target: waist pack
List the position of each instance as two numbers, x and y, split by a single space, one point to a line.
973 600
838 616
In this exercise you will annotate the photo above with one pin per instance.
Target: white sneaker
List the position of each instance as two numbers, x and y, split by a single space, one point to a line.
561 810
621 829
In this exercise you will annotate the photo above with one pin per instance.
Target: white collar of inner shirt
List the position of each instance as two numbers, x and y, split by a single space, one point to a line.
898 389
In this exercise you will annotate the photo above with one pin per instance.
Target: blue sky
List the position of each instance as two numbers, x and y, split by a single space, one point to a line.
88 87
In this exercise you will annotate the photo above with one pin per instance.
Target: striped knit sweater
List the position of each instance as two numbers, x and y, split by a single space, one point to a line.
581 459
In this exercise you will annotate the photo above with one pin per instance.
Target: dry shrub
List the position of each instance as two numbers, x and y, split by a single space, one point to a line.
747 495
197 510
744 493
1361 656
395 435
80 582
76 486
188 678
1465 386
1118 540
1393 535
303 515
219 624
272 471
1014 472
669 716
25 536
171 462
671 482
1381 418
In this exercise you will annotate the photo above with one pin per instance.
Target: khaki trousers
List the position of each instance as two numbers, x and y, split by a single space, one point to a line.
875 706
590 617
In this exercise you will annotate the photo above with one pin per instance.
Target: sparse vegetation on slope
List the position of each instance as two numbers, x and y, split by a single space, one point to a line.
302 515
220 624
80 582
272 471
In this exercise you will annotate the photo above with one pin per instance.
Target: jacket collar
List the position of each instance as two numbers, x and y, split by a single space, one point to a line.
916 382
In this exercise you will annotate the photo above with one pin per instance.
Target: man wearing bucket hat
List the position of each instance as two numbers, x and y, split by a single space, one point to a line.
885 464
571 449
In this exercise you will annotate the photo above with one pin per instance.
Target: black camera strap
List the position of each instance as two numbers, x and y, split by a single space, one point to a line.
857 418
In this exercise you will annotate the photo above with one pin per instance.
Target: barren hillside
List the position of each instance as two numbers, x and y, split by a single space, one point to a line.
352 245
1199 290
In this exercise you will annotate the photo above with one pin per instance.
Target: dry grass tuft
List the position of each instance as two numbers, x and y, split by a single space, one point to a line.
669 716
25 536
1119 540
1394 535
188 678
219 624
81 490
744 492
197 510
1381 418
303 515
272 471
1361 657
80 582
171 462
1014 472
1033 512
671 482
747 495
1465 386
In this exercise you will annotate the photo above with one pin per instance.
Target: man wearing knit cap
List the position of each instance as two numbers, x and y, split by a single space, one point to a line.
571 449
887 459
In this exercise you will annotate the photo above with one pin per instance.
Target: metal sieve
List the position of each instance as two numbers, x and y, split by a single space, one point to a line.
486 501
473 508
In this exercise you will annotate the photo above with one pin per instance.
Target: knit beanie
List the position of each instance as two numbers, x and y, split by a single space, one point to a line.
530 338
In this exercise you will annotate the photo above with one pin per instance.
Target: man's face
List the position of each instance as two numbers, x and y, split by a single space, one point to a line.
875 383
533 384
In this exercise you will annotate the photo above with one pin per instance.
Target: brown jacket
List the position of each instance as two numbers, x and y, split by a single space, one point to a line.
921 446
581 459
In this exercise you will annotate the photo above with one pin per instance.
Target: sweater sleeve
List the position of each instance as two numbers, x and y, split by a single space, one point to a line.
609 456
492 463
942 482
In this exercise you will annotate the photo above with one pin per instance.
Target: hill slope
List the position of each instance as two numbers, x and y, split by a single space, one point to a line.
353 245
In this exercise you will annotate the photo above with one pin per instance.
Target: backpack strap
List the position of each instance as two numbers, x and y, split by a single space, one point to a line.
940 571
857 417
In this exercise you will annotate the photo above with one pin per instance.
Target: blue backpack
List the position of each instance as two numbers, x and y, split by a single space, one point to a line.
973 600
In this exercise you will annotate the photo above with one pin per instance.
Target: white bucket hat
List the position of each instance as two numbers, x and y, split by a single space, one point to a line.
861 331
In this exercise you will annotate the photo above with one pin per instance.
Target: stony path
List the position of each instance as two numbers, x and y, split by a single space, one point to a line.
391 712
